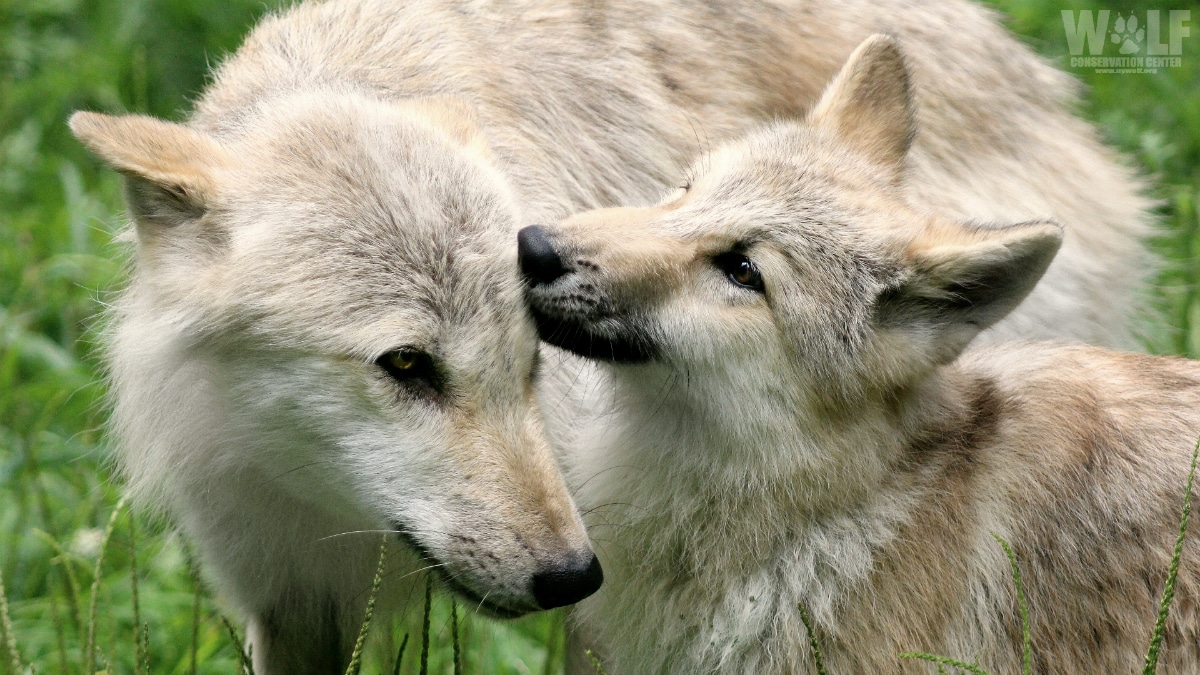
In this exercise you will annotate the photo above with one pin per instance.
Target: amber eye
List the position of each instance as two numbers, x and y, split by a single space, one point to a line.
740 270
402 360
412 368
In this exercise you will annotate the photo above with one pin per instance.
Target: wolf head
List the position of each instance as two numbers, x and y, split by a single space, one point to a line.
789 271
324 311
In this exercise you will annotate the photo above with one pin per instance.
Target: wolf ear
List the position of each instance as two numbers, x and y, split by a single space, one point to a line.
453 116
964 278
169 168
870 105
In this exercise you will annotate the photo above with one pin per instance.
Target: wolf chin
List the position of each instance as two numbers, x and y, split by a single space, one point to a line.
782 421
323 340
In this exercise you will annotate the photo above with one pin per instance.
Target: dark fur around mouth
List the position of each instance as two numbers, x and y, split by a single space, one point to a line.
470 596
574 337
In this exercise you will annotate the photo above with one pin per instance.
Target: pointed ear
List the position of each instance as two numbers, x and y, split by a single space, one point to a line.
452 115
964 278
869 104
169 168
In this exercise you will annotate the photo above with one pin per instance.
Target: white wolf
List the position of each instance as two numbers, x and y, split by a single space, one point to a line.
323 331
789 430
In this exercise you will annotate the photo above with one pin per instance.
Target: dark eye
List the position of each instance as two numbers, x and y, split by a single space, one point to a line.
740 270
412 368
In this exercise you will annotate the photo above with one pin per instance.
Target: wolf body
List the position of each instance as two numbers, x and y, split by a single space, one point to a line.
781 421
341 201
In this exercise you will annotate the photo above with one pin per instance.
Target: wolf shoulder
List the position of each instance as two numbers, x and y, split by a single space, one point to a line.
1074 411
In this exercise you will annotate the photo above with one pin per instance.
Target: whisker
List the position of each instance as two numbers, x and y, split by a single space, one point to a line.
481 601
604 470
343 534
389 576
407 531
293 470
600 506
664 392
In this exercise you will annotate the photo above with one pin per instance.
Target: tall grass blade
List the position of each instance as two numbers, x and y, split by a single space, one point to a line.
812 640
63 560
243 654
89 656
595 661
425 625
1164 607
454 637
555 646
356 656
60 633
197 590
400 655
145 665
139 656
1026 639
10 638
943 661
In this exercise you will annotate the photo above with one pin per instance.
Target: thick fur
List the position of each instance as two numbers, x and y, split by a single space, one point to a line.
349 183
815 442
272 272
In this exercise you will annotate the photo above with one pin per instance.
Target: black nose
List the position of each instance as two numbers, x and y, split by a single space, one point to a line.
568 584
539 261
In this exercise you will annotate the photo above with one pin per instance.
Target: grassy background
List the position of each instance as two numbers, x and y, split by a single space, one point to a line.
59 210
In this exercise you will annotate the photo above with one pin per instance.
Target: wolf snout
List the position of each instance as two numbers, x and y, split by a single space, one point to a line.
540 262
568 581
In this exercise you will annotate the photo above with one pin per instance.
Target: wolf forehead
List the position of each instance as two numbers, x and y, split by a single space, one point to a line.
795 191
360 209
774 181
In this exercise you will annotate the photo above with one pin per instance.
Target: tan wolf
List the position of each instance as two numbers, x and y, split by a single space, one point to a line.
790 426
324 334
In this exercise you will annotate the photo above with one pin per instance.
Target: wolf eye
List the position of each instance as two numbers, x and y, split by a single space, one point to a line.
403 361
410 367
740 270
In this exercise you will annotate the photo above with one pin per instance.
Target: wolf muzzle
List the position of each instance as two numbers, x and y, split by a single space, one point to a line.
540 262
571 312
568 583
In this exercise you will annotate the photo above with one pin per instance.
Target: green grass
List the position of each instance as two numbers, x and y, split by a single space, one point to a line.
59 210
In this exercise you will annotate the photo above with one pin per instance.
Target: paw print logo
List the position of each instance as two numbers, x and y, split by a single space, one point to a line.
1127 34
